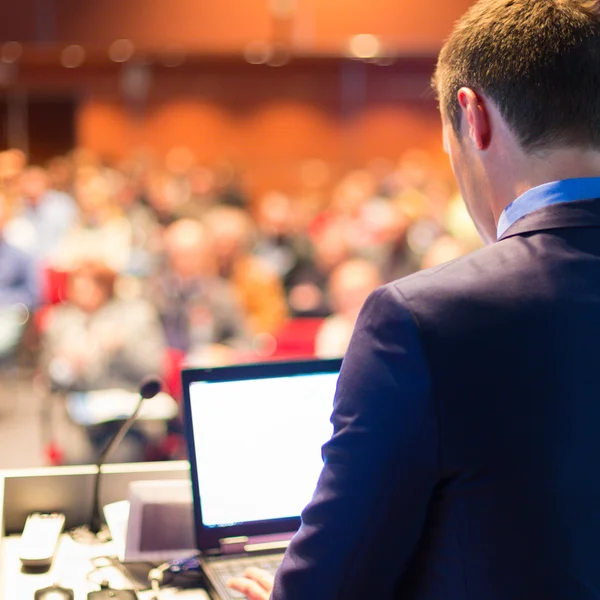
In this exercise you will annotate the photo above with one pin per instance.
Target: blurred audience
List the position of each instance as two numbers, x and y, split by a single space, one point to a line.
19 289
349 285
96 348
397 257
12 165
173 262
257 286
101 232
96 340
200 311
306 283
280 242
40 216
167 197
145 230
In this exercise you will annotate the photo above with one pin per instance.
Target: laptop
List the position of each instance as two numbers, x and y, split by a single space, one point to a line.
254 435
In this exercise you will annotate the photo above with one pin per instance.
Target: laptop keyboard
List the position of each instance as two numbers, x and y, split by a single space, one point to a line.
235 567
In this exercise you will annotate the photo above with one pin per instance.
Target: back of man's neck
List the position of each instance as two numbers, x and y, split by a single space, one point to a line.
546 167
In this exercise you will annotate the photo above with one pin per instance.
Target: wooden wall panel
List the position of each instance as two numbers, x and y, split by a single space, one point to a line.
404 25
225 25
105 127
269 144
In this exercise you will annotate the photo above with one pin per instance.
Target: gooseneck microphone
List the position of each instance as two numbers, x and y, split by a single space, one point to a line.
149 387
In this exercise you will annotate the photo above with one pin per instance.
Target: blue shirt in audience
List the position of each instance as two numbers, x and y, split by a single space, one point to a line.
39 228
18 277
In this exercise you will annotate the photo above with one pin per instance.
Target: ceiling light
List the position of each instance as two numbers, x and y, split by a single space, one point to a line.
72 56
121 50
365 46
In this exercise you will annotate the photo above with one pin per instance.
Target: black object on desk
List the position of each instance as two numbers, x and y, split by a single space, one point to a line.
108 594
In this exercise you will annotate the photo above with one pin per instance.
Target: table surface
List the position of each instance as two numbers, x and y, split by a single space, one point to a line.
70 568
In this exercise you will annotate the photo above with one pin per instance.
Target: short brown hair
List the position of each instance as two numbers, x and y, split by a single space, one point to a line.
537 60
98 272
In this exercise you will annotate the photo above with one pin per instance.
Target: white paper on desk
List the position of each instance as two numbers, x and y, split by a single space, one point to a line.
117 517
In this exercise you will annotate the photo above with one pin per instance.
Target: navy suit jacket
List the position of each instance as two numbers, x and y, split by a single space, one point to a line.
465 459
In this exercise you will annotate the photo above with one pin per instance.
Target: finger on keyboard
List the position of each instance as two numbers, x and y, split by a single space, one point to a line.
251 589
264 578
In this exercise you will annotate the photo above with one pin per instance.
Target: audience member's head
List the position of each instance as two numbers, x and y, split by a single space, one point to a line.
90 286
60 174
275 214
332 246
12 164
202 182
165 194
93 192
34 184
352 192
349 285
232 232
188 249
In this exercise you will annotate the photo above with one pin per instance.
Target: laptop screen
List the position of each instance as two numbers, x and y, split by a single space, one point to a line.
255 434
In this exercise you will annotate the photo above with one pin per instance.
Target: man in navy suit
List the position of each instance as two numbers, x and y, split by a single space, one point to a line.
465 460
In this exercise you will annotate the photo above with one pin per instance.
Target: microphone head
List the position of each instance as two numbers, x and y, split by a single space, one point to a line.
149 387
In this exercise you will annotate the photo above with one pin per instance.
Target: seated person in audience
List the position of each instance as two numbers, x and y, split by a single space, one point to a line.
203 193
61 171
398 258
350 211
96 341
146 234
167 197
258 287
306 283
278 242
229 185
12 164
19 291
199 310
41 216
349 285
102 233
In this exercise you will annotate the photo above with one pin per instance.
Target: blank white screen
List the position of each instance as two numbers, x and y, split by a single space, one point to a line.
258 445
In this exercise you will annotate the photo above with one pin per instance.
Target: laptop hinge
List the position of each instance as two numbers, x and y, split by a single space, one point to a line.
257 543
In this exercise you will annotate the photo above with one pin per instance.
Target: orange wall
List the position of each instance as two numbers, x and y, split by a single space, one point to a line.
269 142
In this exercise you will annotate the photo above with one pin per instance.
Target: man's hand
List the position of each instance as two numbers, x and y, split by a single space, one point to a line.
255 584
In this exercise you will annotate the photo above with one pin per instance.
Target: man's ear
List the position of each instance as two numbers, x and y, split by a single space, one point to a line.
476 118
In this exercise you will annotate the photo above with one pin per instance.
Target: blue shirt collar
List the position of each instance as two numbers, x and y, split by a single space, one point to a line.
567 190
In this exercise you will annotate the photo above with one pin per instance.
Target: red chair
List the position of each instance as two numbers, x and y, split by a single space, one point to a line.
172 365
53 285
53 290
296 338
